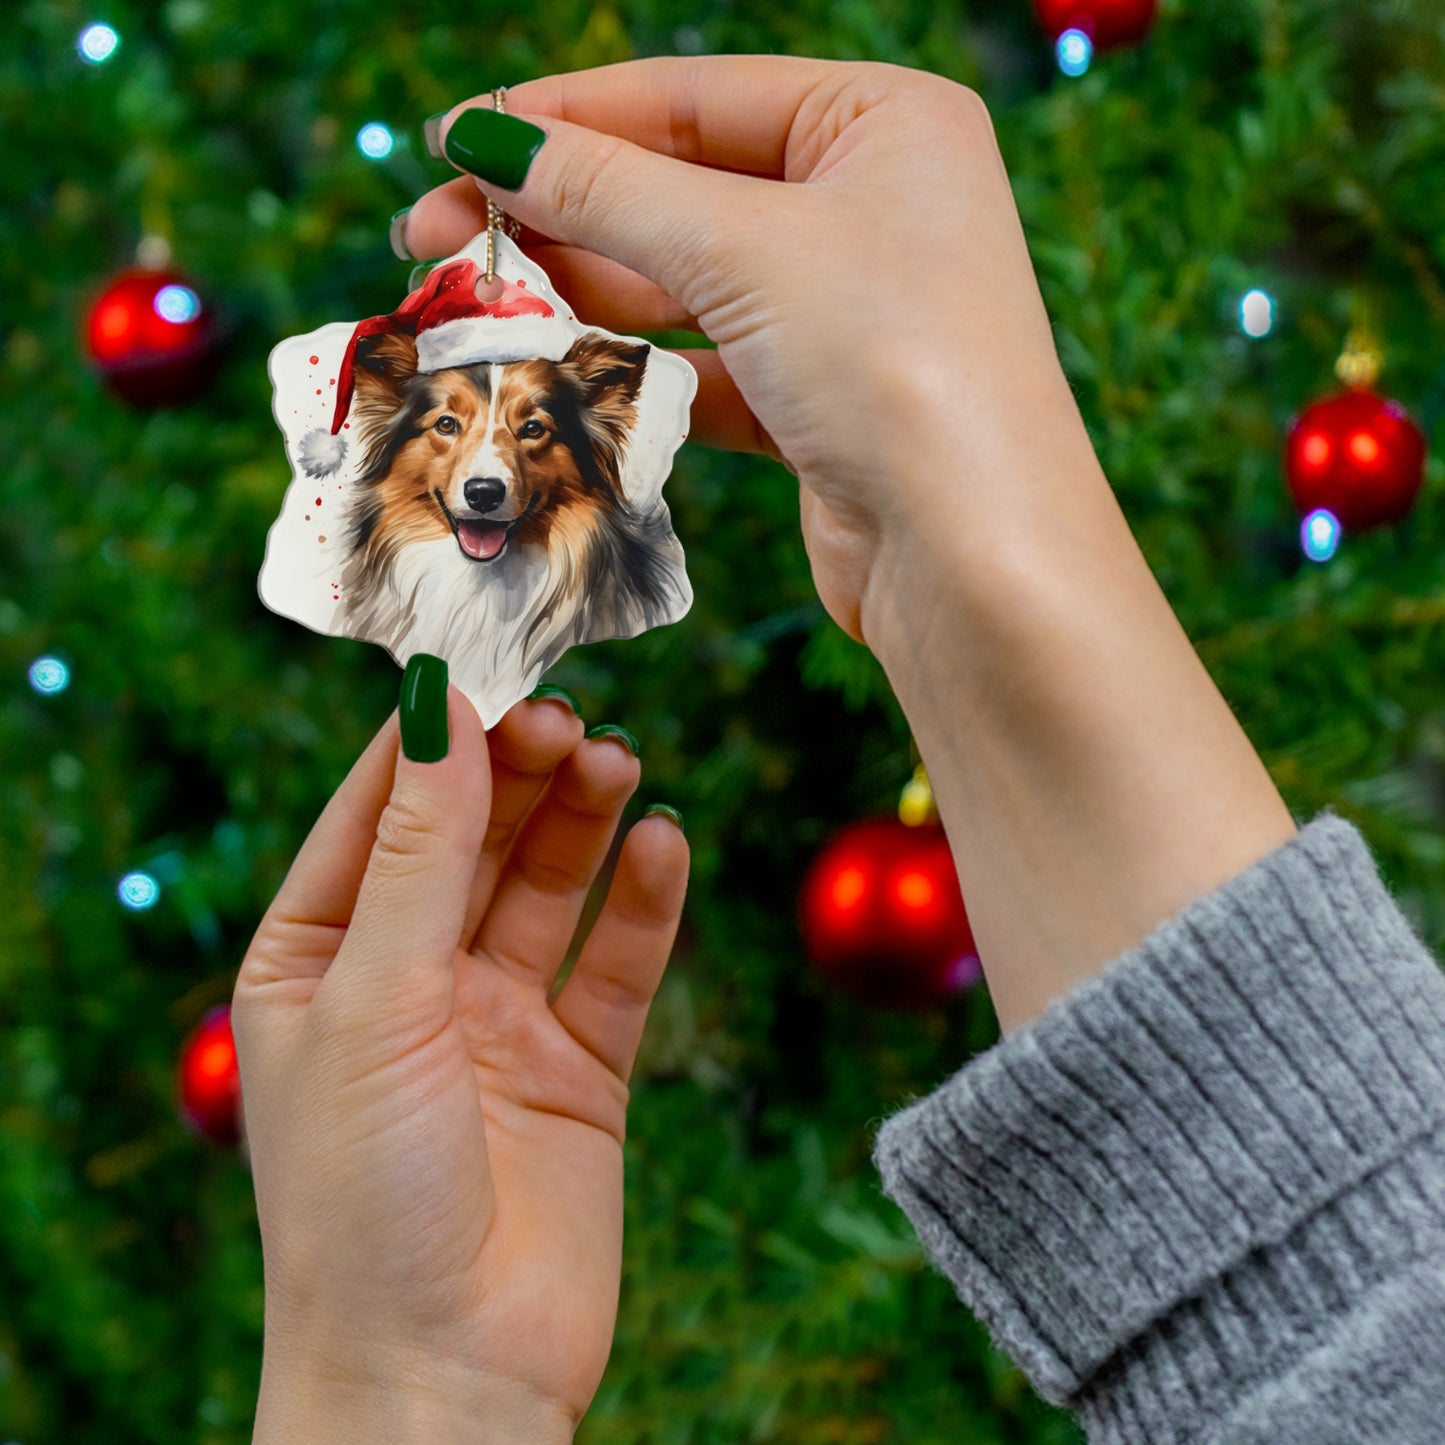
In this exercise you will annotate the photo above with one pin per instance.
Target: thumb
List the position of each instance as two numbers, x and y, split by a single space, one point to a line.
413 898
663 218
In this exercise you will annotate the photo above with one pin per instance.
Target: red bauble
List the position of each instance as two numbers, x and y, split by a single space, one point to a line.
1359 456
883 917
210 1081
1107 23
152 338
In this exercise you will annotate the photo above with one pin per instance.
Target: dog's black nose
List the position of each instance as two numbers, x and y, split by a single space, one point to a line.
485 494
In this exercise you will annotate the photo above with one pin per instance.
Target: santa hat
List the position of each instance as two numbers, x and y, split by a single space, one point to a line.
452 327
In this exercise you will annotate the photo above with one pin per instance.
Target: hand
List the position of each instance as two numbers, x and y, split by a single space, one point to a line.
437 1150
878 324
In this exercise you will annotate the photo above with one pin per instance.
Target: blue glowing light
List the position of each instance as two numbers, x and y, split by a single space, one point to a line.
1075 52
97 44
1320 535
375 140
138 891
1256 313
49 675
177 304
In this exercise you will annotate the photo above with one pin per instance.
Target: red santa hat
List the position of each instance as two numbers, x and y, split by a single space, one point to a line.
452 327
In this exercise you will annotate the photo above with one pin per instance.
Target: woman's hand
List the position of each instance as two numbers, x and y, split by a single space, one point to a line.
437 1150
878 324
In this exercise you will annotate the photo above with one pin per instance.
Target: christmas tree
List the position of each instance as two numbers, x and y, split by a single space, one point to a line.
1212 209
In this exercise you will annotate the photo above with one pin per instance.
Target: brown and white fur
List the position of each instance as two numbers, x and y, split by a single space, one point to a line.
489 524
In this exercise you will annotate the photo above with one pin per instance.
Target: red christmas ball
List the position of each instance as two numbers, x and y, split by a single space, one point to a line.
1107 23
210 1081
883 917
152 338
1359 456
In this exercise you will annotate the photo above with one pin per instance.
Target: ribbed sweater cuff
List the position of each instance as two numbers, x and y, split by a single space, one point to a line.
1208 1109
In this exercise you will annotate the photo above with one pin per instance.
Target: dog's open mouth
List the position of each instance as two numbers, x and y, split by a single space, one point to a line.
482 540
479 539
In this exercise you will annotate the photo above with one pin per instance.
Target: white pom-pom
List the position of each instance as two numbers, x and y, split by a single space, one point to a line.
320 453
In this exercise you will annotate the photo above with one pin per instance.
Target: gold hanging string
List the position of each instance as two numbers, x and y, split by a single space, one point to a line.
1360 362
497 218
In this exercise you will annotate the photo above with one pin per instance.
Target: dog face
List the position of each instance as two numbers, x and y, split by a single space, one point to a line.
495 453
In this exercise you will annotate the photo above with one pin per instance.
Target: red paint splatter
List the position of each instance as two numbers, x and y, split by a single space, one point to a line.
332 382
315 360
522 284
318 501
318 391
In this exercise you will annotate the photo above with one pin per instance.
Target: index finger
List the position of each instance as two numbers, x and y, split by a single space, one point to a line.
734 112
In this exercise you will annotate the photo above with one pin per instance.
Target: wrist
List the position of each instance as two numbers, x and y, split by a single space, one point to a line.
406 1400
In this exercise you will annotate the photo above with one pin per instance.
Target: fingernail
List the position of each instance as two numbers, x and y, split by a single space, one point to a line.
612 730
431 133
424 736
662 810
550 689
498 148
397 235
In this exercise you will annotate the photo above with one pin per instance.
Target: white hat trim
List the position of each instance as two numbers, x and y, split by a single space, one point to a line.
473 339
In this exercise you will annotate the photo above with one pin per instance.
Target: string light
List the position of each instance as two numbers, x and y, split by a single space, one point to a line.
375 141
138 891
1256 313
1320 535
177 304
1075 52
97 43
49 675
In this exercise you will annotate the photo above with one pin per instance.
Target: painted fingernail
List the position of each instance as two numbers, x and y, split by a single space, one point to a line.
550 689
431 133
424 737
612 730
397 235
498 148
662 810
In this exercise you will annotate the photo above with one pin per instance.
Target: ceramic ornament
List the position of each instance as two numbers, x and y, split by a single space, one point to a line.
478 476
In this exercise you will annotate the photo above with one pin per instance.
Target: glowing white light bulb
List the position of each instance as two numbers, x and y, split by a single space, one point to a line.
49 675
97 43
375 141
1320 535
138 891
1256 313
177 304
1075 52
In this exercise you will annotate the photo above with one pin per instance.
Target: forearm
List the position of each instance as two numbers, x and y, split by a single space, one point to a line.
1092 779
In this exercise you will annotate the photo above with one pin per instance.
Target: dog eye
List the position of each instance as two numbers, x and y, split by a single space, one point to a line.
448 425
531 429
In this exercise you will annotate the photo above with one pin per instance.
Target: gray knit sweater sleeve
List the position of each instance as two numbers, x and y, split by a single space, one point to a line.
1202 1199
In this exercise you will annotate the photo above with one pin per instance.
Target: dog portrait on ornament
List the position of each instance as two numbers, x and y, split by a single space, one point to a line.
479 476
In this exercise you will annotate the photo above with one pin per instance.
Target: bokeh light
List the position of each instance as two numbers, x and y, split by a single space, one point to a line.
97 43
1256 313
138 891
375 141
1320 535
1075 52
177 304
49 675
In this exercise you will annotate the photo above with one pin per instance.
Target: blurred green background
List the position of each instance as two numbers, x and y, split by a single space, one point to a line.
771 1293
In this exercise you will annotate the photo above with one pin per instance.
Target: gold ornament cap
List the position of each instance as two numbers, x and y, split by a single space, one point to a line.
915 804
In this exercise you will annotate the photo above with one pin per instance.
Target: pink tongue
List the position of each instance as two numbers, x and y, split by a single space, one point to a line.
481 539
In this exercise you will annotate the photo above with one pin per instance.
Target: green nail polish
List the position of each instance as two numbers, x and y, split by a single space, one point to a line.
550 689
498 148
612 730
424 737
396 233
663 810
431 133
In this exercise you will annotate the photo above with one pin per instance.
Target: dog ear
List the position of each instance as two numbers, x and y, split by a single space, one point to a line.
384 362
606 371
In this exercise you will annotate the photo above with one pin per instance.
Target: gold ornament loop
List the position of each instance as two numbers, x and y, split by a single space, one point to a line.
497 218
